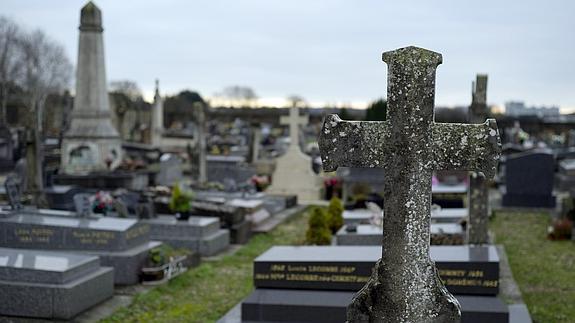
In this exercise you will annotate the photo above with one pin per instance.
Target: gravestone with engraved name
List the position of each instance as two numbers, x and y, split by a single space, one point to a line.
120 243
316 283
409 146
44 284
465 270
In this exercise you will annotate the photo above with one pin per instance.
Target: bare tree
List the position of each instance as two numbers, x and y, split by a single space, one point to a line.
127 87
10 61
243 95
47 70
296 100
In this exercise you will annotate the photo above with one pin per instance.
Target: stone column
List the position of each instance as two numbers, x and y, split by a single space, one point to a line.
477 226
201 145
157 118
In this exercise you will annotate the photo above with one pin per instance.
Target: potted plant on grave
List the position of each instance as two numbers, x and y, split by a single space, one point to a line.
180 203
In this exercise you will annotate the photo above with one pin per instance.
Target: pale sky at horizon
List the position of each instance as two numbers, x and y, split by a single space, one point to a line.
325 50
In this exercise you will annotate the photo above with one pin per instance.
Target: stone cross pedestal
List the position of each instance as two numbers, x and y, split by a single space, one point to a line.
477 226
409 146
293 173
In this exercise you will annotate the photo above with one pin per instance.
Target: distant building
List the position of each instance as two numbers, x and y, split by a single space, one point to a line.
518 109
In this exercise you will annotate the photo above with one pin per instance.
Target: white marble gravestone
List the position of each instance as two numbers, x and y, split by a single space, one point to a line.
91 143
293 174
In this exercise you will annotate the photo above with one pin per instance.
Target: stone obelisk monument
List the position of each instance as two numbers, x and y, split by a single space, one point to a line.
91 143
157 118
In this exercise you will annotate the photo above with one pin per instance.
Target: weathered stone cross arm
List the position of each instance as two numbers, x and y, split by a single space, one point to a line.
455 146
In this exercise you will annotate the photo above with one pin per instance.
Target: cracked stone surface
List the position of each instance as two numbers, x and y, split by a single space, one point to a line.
405 286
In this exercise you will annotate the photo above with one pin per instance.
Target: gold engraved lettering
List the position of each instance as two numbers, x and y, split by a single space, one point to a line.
137 231
42 235
347 269
277 267
93 237
296 268
323 269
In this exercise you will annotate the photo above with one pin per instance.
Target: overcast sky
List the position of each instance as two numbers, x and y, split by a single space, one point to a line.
326 50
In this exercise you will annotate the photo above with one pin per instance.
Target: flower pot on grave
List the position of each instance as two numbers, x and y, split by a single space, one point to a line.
183 216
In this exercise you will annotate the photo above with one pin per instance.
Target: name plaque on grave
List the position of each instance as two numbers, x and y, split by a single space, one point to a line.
463 269
65 233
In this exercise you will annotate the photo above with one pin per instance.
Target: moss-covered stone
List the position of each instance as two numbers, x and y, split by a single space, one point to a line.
409 146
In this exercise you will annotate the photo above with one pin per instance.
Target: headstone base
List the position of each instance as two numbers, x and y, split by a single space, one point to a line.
137 181
128 263
240 233
42 284
199 234
206 246
523 200
281 305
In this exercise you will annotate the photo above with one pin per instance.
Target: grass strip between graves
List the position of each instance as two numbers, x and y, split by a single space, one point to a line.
207 292
543 269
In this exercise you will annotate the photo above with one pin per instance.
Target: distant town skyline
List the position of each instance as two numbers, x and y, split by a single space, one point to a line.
326 51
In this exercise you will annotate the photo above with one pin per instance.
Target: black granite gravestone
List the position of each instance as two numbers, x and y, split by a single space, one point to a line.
529 180
120 243
465 270
286 305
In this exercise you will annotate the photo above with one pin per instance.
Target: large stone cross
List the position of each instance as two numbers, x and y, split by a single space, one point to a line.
294 120
405 285
477 226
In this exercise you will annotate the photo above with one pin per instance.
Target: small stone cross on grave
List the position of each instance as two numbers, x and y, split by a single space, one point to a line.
294 120
477 230
409 146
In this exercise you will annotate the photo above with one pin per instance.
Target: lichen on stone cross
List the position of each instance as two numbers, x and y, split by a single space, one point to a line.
477 226
409 146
